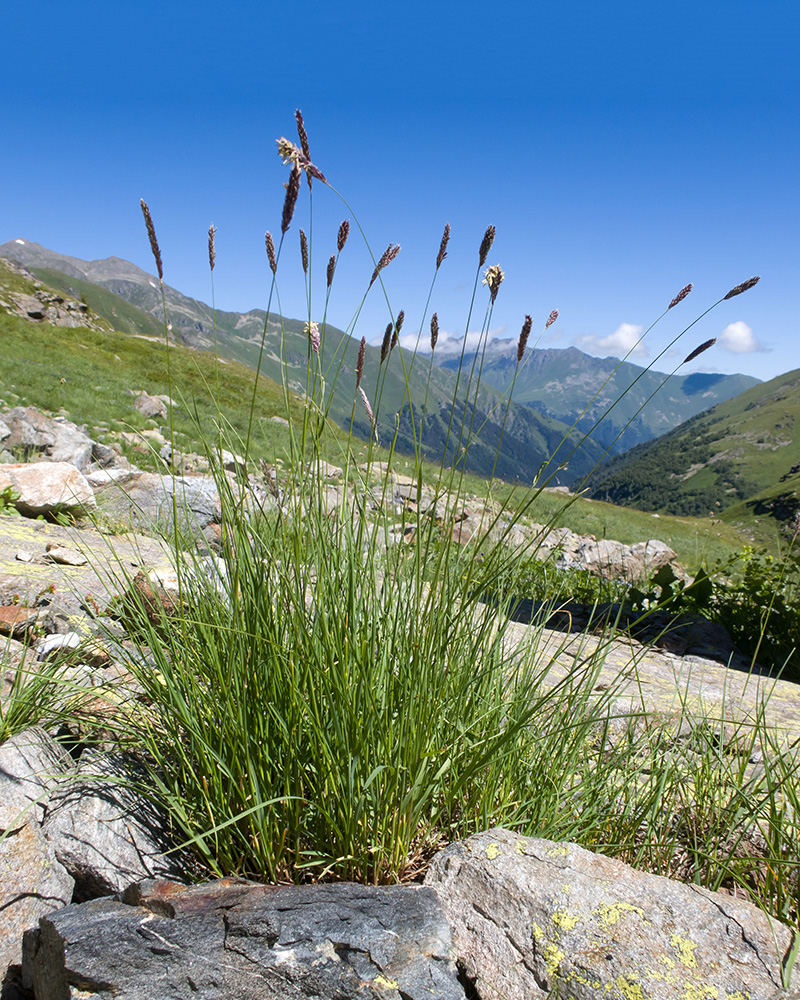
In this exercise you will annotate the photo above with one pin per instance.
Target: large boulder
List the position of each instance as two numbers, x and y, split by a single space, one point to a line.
33 436
32 885
148 501
232 938
535 919
47 488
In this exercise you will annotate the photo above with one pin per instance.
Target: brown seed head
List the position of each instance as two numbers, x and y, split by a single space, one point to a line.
212 250
387 257
151 235
344 232
699 350
551 319
270 245
524 333
434 331
680 296
486 245
387 340
744 287
398 325
493 277
290 201
304 251
302 134
443 246
331 269
362 350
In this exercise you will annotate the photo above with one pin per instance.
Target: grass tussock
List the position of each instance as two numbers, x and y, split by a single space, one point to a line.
332 696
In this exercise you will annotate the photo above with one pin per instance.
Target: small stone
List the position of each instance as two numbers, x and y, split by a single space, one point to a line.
52 645
23 556
15 619
65 556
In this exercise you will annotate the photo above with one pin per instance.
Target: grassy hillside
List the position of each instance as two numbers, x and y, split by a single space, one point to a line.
716 460
518 446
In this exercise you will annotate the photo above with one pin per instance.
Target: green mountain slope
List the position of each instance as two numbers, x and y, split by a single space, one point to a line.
515 447
560 383
736 451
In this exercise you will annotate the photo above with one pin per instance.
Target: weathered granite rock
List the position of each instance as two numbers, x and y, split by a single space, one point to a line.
32 764
42 438
47 488
145 500
534 919
32 882
104 833
614 560
16 619
232 938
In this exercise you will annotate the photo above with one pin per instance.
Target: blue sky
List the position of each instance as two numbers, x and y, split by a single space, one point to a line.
621 149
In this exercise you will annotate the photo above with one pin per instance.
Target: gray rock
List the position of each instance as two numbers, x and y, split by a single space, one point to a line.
32 764
104 832
533 919
144 500
42 438
150 406
47 488
232 938
32 884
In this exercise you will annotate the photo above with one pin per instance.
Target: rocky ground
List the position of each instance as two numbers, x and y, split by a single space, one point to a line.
91 904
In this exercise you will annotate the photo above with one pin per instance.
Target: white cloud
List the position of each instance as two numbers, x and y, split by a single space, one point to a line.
623 340
448 343
738 338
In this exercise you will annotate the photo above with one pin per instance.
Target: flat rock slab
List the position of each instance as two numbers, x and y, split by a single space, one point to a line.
109 558
534 919
233 938
636 677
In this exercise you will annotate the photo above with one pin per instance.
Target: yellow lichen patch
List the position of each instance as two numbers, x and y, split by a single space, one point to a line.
538 933
700 992
685 949
567 888
520 846
389 984
738 995
564 920
611 913
492 850
559 851
553 957
666 961
629 989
